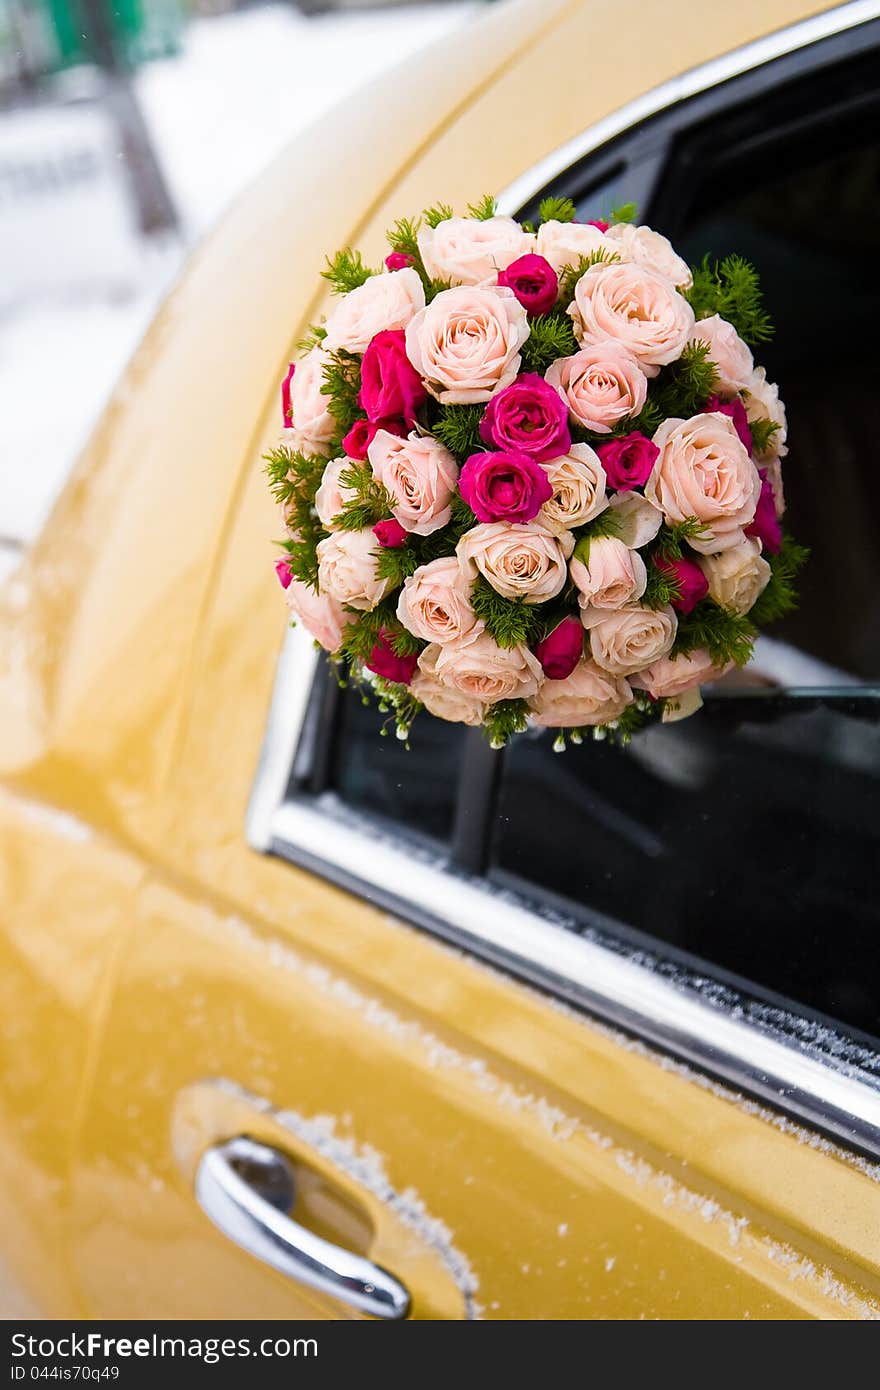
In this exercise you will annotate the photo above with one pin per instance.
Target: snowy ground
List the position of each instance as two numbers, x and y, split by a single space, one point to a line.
243 86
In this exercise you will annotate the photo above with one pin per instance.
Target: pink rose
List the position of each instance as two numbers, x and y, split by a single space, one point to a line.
390 385
466 343
445 702
565 244
765 526
637 308
731 356
772 470
331 496
397 260
704 471
629 639
380 303
533 281
628 461
467 251
313 424
601 385
578 483
321 616
390 534
561 650
504 486
738 576
648 248
763 403
481 670
612 576
672 675
588 696
420 476
384 661
692 583
435 603
286 412
528 417
363 432
347 569
736 411
284 573
527 562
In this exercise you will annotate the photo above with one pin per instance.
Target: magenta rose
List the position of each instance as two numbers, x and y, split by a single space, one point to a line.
363 432
528 417
533 281
286 409
398 260
384 661
692 582
736 411
507 486
284 572
628 461
561 650
597 222
390 385
765 526
390 534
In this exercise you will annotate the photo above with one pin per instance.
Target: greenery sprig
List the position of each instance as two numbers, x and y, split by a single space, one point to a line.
509 621
726 636
780 596
346 271
504 719
551 337
731 288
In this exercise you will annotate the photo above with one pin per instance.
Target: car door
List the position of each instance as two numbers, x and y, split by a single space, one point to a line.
539 1037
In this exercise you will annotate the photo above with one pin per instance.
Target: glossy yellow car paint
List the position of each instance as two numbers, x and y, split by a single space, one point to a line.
163 985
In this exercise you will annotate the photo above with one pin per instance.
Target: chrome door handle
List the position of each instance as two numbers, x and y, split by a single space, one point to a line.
247 1188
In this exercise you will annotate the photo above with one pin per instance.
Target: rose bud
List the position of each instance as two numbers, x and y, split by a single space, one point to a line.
628 462
504 487
597 222
693 584
383 661
398 260
284 572
286 411
363 432
765 526
528 417
561 650
736 411
533 281
390 534
390 385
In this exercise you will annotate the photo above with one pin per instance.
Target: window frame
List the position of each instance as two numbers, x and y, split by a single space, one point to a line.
823 1077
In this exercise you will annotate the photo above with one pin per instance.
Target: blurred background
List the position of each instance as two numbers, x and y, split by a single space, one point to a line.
126 128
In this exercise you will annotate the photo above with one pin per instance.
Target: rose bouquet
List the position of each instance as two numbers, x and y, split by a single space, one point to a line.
531 474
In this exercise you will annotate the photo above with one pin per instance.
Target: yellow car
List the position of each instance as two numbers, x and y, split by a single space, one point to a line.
296 1024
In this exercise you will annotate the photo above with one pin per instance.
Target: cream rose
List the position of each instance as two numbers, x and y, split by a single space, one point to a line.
638 308
704 471
578 482
466 343
637 520
382 302
762 403
481 670
727 350
331 496
319 614
600 385
420 474
444 701
313 425
527 562
773 469
565 244
347 569
738 576
588 696
651 249
467 251
673 675
612 577
435 603
629 639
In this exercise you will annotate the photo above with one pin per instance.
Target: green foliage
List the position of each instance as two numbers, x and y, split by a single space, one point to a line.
625 213
372 502
509 621
396 562
551 336
731 288
458 428
342 382
762 435
504 719
607 523
556 210
313 338
661 589
440 212
400 700
484 209
434 287
404 237
726 636
362 633
680 390
671 540
346 271
293 480
780 596
573 273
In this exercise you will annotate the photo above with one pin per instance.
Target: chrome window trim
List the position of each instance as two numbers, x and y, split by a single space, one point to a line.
820 1082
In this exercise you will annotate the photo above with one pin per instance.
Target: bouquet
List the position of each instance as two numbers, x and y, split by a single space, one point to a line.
531 475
